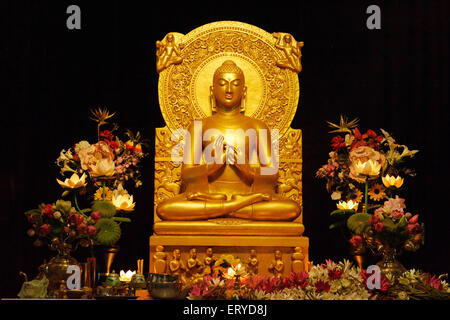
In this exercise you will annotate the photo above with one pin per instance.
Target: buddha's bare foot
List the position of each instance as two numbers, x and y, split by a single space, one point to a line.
206 196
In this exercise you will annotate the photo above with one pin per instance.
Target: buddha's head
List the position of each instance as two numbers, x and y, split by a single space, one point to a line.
228 90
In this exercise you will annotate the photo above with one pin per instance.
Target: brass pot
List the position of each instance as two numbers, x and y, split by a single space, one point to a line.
389 265
57 268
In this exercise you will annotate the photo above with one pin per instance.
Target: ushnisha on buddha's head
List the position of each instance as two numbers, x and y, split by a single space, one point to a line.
228 90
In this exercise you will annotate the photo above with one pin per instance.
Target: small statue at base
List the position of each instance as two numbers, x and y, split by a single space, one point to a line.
252 264
176 266
277 265
160 260
297 260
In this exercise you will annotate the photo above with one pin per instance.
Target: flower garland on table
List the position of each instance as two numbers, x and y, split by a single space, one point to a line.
96 173
329 281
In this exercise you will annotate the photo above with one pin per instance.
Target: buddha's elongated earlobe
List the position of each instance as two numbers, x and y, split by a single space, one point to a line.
213 99
244 100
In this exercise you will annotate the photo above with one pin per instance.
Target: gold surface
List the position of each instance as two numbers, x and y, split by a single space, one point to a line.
228 227
186 90
258 252
183 88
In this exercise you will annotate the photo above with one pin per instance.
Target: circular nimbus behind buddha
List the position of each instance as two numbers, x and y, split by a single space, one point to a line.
234 174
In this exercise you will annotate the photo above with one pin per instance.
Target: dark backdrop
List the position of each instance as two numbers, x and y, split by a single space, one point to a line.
395 78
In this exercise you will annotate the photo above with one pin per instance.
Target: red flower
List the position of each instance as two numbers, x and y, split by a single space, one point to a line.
106 135
96 215
374 219
322 286
113 144
337 142
82 227
413 228
384 283
48 211
32 218
379 226
334 274
91 230
414 219
44 230
356 240
434 282
296 279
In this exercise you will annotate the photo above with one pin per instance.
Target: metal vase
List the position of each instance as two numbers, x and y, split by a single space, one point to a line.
109 255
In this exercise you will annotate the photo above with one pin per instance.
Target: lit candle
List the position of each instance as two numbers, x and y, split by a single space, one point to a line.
126 276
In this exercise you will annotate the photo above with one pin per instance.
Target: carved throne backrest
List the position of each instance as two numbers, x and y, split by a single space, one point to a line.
270 64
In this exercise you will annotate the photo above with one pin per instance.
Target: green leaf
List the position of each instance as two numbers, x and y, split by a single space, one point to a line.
63 206
86 210
106 208
121 219
389 224
108 231
337 224
32 211
65 193
358 222
342 212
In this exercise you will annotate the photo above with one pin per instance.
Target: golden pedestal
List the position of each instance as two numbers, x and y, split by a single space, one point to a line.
185 64
238 246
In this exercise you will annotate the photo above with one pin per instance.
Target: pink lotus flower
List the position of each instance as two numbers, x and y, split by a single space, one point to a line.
396 214
397 204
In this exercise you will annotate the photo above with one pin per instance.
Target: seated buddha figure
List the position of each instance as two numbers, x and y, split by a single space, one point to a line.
228 169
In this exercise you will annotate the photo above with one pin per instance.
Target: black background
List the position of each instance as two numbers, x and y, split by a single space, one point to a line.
395 78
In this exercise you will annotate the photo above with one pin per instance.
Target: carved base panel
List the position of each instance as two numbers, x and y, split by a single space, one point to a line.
229 226
271 255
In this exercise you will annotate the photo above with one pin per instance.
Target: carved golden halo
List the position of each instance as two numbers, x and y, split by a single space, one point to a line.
183 88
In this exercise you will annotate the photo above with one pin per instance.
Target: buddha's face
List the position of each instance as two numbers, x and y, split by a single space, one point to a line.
228 90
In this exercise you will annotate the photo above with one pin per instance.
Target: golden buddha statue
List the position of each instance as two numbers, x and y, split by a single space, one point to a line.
228 166
234 184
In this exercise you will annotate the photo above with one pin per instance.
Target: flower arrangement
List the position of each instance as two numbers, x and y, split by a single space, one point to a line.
332 281
365 173
328 281
96 173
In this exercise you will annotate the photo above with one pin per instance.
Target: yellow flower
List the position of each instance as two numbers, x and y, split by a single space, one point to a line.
357 196
123 202
369 167
390 181
103 167
350 204
74 182
376 192
99 194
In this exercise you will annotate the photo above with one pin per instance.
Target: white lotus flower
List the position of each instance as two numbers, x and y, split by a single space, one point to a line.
123 202
74 182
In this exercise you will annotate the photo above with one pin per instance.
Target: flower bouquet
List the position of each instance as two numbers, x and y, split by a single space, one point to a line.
96 174
365 173
330 281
